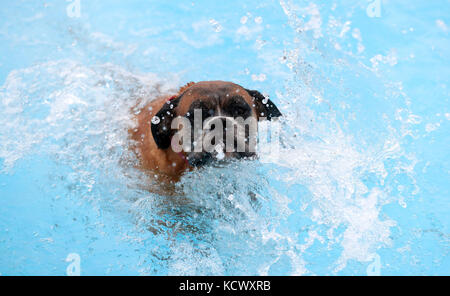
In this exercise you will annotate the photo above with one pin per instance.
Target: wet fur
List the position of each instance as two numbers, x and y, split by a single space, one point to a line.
153 145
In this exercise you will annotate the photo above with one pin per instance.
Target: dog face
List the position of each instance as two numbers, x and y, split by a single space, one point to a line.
228 111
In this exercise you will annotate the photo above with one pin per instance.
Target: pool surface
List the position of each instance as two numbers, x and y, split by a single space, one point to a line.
360 185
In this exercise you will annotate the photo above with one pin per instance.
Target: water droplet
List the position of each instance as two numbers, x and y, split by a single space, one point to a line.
156 120
216 26
219 149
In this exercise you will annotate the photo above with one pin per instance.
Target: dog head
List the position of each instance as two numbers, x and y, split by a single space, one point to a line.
213 119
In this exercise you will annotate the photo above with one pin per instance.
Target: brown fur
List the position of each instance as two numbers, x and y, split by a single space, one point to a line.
168 165
166 162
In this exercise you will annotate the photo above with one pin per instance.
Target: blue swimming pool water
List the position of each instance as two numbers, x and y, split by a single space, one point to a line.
361 185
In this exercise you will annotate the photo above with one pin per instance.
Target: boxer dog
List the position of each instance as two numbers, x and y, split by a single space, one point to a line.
212 103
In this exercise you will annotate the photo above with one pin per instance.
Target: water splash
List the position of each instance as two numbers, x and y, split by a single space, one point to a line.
323 196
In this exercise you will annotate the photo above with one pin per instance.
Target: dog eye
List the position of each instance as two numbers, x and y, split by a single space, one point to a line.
206 112
238 110
205 109
237 107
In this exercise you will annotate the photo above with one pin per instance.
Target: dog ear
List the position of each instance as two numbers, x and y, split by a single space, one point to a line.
263 106
162 121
